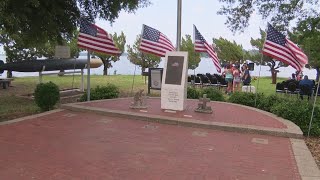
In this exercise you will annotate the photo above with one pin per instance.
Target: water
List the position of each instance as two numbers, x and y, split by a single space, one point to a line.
125 67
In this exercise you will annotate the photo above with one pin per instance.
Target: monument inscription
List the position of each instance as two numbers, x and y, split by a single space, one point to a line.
174 86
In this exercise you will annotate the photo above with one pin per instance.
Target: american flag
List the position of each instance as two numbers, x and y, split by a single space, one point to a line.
201 45
282 49
154 42
94 38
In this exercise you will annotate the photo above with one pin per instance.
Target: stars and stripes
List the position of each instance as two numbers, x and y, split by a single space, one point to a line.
282 49
154 42
94 38
201 45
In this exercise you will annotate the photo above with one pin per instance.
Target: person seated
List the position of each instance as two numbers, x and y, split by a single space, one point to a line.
305 87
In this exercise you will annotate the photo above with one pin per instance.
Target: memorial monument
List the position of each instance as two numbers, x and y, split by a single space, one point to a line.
174 81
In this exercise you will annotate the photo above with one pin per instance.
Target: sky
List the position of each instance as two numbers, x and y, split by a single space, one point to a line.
162 15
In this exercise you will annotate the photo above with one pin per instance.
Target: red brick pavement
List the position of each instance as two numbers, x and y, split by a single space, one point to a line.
223 112
72 146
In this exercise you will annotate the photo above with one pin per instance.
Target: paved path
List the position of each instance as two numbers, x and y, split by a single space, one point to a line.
71 145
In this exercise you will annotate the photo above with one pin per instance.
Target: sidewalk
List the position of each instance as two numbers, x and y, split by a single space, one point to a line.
66 144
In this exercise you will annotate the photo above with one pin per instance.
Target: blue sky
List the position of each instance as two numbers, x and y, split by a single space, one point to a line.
162 15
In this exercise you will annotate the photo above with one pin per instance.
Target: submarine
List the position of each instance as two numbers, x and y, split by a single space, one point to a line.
49 65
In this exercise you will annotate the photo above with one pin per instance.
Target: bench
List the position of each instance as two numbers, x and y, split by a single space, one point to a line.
5 82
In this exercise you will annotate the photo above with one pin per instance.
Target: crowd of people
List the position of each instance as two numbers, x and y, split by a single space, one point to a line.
235 77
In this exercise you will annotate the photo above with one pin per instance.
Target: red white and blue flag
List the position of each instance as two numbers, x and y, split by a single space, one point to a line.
201 45
154 42
281 48
94 38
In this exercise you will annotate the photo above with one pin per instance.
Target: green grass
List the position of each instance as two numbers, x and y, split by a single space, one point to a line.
124 82
12 106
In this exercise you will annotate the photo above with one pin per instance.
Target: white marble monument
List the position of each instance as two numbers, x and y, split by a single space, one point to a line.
174 81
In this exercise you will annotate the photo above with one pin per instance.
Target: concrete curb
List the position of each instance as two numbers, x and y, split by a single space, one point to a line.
307 166
289 133
30 117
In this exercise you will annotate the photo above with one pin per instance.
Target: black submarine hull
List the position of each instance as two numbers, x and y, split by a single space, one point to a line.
49 65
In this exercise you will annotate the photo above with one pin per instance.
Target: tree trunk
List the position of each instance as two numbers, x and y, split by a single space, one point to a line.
318 71
105 67
9 74
274 76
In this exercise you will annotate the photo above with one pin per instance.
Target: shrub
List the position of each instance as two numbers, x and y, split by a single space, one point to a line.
46 95
299 112
267 102
110 91
193 93
213 94
245 98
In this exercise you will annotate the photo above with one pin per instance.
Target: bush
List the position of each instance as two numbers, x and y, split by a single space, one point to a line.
213 94
46 95
110 91
299 112
193 93
245 98
267 102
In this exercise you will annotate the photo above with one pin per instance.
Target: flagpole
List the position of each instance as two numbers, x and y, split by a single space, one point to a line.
314 104
255 100
88 75
179 7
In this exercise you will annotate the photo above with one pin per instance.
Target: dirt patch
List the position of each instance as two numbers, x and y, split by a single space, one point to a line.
314 146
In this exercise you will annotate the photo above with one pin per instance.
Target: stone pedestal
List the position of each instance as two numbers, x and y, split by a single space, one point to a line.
174 81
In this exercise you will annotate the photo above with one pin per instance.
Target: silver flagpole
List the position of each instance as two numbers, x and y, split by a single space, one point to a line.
314 104
88 76
255 100
179 24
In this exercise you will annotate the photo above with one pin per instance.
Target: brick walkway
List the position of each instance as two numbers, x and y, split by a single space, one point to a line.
228 113
71 145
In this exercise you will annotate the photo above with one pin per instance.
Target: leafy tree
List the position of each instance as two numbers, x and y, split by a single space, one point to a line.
119 41
272 63
279 13
193 57
228 51
40 21
307 34
144 60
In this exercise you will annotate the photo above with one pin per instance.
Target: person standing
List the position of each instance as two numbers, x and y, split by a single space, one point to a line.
228 78
246 75
236 78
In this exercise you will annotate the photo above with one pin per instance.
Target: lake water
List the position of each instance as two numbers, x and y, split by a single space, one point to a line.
125 67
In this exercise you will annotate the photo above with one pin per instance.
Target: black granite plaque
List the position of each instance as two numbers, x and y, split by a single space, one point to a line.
174 70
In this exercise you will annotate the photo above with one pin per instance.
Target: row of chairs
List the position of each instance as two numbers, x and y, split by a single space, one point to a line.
292 87
207 79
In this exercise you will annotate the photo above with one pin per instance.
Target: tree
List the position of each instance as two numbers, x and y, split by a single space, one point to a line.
40 21
193 57
307 35
120 42
279 13
144 60
228 51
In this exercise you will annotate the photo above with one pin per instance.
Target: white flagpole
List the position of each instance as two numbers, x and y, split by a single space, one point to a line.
179 6
88 75
314 104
